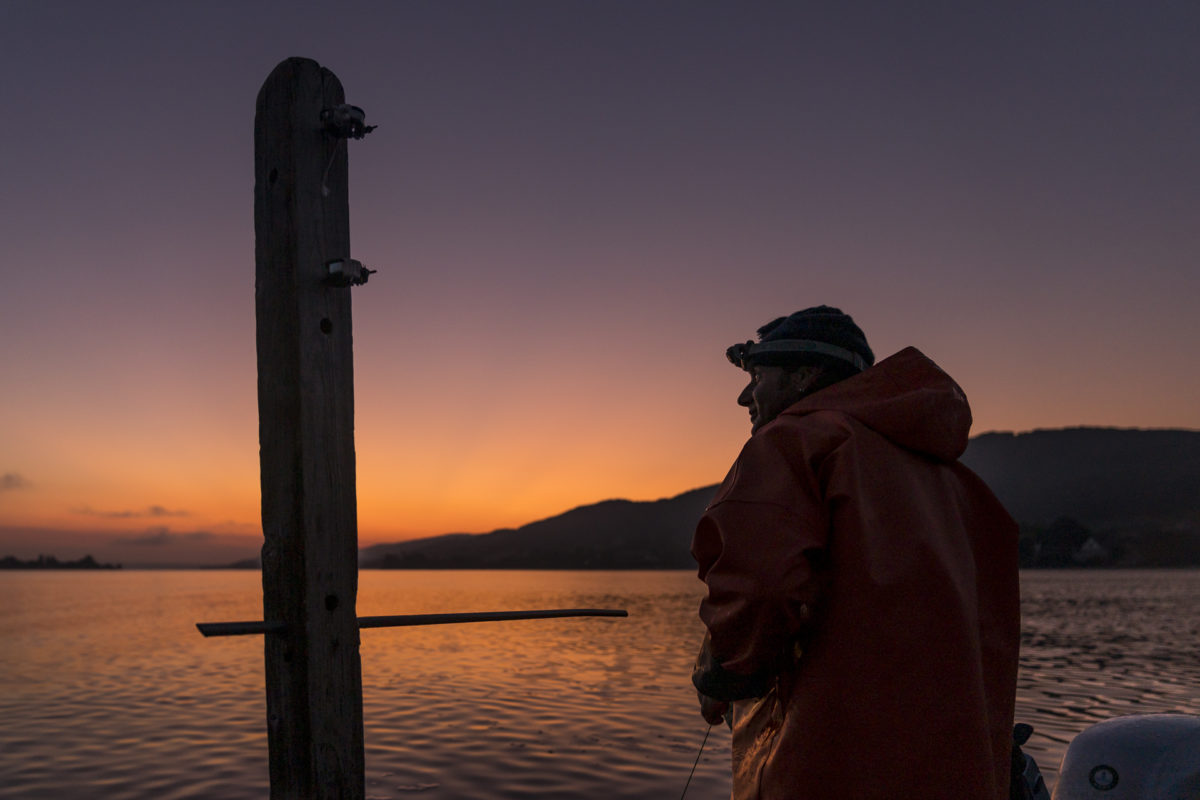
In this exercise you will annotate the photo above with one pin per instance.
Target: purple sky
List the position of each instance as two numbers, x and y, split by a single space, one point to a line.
574 207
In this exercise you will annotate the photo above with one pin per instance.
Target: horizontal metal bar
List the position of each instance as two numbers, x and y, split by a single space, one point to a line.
404 620
485 616
240 628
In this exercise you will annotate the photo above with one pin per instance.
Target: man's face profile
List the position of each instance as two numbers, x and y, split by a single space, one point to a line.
771 390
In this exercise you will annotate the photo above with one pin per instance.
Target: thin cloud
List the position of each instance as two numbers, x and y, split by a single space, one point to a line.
155 512
158 537
159 511
13 480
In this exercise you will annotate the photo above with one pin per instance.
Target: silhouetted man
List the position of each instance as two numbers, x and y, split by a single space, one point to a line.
862 605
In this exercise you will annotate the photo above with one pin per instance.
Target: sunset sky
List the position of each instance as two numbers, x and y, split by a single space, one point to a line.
573 208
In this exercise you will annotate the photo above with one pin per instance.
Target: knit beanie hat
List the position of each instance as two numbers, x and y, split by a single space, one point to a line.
818 336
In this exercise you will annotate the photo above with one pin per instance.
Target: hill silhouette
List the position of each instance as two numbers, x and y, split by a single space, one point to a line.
1135 492
613 534
1103 477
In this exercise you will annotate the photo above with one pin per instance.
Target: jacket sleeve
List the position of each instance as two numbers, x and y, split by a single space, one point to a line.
759 547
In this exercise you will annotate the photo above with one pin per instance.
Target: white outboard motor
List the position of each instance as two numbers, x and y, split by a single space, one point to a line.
1142 757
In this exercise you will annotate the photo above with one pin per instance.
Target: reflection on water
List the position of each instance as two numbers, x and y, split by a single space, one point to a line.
582 708
106 689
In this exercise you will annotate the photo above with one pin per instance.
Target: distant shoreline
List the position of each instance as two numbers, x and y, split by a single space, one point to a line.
50 562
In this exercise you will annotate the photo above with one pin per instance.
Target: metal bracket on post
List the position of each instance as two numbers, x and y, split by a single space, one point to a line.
346 121
347 272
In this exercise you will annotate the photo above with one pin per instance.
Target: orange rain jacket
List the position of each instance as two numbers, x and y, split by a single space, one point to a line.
864 584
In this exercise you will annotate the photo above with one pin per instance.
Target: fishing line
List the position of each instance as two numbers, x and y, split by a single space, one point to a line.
693 772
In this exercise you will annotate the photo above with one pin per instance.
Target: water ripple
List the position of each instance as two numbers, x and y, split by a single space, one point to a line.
107 691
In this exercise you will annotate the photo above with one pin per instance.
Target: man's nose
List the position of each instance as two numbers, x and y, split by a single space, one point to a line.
744 397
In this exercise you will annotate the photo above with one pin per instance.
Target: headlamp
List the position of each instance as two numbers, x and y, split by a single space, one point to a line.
736 353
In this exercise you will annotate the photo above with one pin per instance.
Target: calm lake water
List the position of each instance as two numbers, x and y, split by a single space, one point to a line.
108 691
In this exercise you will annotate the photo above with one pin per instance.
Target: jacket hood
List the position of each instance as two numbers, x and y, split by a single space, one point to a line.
906 398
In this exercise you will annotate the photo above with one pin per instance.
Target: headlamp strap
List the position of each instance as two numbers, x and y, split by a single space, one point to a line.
750 350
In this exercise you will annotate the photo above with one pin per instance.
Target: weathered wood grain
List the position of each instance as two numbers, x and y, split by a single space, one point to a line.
306 438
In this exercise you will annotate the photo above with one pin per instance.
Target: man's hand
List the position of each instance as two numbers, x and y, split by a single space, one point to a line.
712 710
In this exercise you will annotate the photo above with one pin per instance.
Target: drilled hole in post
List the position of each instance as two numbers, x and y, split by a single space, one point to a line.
326 325
331 602
274 176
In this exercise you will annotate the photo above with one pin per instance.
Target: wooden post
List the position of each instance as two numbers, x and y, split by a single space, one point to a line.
306 438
